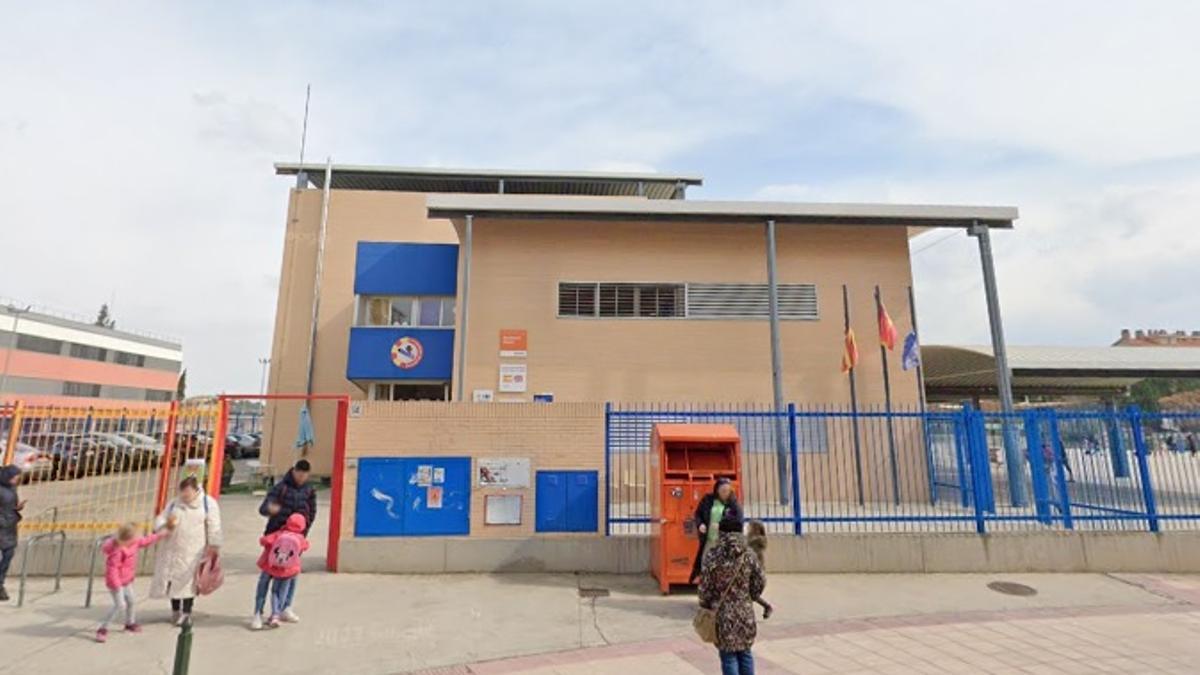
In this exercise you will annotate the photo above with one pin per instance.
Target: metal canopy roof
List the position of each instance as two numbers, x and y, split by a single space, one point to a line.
493 181
952 371
585 208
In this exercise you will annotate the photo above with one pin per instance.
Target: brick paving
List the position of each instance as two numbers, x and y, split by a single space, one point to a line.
1103 639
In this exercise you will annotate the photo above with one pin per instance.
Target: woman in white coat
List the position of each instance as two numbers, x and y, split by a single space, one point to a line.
197 534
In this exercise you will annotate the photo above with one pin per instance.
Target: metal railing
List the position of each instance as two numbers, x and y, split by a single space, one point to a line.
29 544
96 544
827 469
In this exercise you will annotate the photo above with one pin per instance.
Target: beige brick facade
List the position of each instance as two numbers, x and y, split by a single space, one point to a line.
551 436
516 268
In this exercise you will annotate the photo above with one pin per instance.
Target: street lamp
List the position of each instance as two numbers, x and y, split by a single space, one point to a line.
264 362
16 314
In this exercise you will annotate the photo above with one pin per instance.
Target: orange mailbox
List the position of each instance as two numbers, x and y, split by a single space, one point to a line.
685 461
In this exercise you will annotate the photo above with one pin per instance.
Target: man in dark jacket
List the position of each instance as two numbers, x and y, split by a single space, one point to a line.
291 495
10 515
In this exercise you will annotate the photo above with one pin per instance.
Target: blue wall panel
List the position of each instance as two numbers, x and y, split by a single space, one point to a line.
379 505
389 268
370 353
393 502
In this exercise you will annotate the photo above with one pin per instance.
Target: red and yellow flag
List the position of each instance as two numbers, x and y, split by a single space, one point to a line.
849 352
887 329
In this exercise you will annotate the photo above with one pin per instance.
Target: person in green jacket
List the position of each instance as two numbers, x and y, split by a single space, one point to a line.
718 504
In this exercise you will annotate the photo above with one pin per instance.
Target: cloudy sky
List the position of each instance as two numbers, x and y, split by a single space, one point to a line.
136 142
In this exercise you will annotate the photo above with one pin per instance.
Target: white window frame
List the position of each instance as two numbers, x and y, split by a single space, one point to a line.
362 313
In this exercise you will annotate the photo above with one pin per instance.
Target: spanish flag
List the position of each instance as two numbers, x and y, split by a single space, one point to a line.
887 329
850 352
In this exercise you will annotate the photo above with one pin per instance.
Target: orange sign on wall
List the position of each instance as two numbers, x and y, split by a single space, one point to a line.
514 342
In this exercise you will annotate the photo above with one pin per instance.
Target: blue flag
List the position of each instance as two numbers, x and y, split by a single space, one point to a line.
304 435
912 352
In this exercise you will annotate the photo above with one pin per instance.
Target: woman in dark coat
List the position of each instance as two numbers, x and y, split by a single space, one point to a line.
716 505
732 578
10 515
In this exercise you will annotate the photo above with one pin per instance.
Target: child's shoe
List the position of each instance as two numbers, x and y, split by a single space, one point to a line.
175 617
256 622
101 635
289 616
133 628
3 595
184 617
273 622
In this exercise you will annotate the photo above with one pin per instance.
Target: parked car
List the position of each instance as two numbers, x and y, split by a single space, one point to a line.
239 446
124 454
192 445
33 463
77 455
148 451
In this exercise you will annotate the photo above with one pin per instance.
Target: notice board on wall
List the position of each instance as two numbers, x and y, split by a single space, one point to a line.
502 510
503 472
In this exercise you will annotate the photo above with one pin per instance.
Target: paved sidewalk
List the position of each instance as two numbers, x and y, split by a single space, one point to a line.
543 623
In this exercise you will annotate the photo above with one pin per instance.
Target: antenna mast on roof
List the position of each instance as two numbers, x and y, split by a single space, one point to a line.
302 175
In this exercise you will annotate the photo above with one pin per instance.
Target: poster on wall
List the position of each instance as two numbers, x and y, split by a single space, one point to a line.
439 475
514 343
503 472
433 498
502 510
483 396
425 475
514 377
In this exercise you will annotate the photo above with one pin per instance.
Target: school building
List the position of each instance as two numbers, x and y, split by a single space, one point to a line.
486 290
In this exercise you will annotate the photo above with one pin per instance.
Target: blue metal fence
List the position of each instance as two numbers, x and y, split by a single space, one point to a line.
824 469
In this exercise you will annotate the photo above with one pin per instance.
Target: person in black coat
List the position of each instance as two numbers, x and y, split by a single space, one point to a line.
293 494
706 532
10 515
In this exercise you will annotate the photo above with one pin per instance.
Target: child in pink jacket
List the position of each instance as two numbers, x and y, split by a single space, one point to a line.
280 560
120 569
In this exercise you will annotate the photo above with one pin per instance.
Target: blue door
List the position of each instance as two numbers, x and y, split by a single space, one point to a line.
566 501
551 502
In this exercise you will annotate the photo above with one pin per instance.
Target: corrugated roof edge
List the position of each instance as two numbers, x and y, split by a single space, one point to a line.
292 168
452 205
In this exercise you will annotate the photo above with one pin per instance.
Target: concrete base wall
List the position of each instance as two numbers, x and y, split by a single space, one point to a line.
899 553
76 556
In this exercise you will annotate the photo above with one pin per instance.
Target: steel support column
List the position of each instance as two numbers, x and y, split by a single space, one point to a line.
781 450
463 313
1014 462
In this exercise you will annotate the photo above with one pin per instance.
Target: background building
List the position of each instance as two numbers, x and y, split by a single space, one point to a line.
51 358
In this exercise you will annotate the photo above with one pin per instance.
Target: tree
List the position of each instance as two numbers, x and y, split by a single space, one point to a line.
1148 392
104 319
181 387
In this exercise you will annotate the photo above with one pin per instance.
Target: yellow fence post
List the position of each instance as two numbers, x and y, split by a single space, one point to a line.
14 432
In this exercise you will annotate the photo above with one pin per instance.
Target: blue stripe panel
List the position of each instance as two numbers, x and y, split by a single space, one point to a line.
370 354
388 268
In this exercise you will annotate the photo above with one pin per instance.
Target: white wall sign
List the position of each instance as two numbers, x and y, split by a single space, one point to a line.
483 396
514 377
503 472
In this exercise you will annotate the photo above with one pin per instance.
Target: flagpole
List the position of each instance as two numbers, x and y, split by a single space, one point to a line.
887 400
912 314
853 401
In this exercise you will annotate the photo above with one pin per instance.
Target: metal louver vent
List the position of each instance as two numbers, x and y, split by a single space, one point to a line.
750 301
